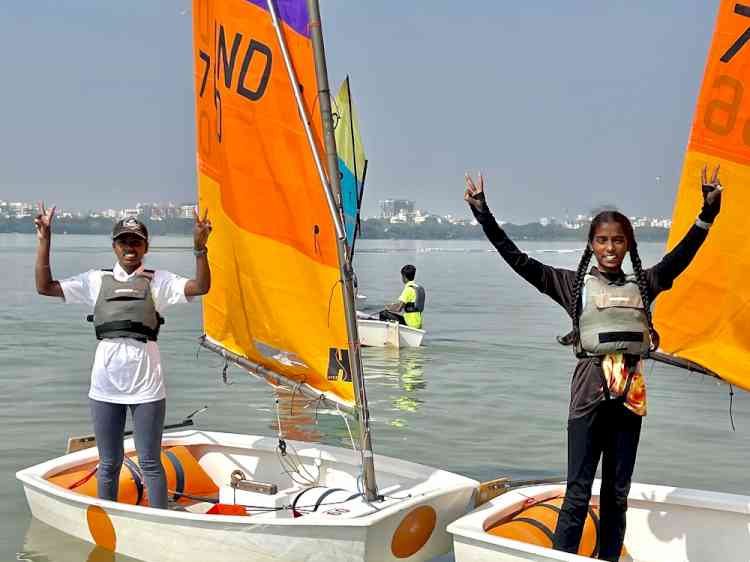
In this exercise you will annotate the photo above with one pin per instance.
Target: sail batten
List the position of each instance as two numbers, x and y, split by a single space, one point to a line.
705 318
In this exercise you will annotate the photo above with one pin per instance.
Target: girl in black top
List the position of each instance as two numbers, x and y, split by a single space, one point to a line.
607 392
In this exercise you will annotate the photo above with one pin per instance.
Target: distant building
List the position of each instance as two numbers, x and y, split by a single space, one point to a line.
461 221
150 211
390 208
661 223
126 213
170 211
186 211
421 216
20 210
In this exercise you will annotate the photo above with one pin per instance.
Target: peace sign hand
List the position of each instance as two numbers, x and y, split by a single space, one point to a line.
711 195
43 222
474 194
201 229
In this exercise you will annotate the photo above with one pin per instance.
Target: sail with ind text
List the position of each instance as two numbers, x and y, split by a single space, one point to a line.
275 297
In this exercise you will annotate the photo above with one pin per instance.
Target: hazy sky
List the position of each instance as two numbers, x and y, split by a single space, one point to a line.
564 105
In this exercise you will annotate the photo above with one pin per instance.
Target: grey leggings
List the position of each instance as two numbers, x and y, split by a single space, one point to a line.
109 428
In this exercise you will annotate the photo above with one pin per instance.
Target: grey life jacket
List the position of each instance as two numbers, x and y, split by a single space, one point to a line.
126 309
418 304
613 318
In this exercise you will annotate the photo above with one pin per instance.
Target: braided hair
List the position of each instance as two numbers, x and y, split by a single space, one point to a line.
574 308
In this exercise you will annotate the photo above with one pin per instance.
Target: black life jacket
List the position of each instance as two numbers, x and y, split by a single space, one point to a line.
126 309
418 304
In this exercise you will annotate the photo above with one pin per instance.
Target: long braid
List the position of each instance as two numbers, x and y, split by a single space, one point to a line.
574 308
635 258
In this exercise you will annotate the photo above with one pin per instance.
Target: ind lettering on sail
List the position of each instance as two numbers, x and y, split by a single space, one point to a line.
275 297
351 154
705 318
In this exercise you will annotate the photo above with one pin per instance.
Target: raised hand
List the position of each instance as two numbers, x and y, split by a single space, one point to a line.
43 221
711 194
202 282
474 194
201 229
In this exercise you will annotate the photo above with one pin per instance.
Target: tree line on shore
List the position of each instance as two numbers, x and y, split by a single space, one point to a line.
379 229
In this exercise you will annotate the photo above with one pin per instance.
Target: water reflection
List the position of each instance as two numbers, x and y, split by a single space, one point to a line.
295 416
45 544
396 376
302 419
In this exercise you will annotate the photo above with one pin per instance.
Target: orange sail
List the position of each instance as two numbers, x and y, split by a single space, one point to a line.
705 318
276 295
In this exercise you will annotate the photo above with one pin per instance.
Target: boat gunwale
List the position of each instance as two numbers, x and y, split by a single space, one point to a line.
372 321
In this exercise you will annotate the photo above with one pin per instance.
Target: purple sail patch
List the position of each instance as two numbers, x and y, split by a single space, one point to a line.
292 12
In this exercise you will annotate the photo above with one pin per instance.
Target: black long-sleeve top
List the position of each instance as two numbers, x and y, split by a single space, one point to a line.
586 386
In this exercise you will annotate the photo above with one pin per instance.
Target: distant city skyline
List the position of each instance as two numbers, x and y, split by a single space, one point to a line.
394 210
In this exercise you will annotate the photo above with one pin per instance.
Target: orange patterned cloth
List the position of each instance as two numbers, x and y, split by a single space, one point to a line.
616 375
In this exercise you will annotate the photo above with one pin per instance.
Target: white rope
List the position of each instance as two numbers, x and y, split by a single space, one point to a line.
349 429
361 475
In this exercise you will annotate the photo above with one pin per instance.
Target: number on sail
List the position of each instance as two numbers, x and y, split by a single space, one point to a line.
742 10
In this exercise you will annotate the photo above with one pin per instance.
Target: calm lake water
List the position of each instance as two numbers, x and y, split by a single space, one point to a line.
486 396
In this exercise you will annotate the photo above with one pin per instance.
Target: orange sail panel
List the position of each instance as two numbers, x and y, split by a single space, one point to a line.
705 318
275 296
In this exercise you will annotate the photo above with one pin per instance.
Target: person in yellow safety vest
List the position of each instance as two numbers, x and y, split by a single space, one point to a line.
410 302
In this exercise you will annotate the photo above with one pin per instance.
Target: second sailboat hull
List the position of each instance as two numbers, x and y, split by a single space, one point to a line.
663 523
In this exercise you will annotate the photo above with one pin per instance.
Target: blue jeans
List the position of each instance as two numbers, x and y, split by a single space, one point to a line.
109 428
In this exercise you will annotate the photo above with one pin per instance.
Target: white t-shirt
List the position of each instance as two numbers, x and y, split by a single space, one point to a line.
125 370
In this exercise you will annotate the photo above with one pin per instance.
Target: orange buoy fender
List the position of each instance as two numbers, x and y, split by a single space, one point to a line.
536 525
184 476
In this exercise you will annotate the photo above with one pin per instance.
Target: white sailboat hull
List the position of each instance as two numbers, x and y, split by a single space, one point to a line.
663 523
376 333
346 532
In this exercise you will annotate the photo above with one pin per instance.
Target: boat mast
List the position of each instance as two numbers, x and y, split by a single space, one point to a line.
347 272
358 224
345 269
354 157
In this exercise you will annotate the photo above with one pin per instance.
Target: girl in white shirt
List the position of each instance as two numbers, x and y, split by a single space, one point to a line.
126 373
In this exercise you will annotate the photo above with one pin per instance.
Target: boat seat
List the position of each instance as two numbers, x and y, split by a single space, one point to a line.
184 476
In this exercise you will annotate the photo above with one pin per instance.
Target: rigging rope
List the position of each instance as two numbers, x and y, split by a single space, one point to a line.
291 464
224 372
